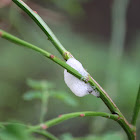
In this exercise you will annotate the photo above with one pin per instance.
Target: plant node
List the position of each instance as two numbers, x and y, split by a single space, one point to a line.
43 126
51 56
67 55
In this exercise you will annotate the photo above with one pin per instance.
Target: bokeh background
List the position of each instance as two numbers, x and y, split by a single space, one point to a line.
103 35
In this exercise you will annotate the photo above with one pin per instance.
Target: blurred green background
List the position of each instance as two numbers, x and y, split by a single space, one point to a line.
103 35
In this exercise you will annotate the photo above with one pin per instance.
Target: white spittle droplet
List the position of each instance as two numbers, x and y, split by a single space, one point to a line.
77 86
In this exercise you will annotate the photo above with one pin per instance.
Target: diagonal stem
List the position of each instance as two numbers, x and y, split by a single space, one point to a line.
39 21
25 44
103 95
66 55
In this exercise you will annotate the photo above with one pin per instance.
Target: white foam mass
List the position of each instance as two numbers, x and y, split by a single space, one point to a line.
77 86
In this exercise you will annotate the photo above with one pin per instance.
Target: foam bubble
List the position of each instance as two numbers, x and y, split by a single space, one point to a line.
77 86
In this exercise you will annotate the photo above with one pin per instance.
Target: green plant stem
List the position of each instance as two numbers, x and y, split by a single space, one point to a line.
64 117
115 117
136 109
113 108
46 134
25 44
38 20
103 95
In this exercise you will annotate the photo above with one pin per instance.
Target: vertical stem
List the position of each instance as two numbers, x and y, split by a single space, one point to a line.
136 109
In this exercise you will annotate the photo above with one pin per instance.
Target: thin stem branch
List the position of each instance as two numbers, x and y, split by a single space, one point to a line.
25 44
103 95
136 109
113 108
64 117
39 21
46 134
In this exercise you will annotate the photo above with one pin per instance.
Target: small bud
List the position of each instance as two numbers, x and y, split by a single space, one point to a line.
0 34
82 115
67 55
36 12
59 116
43 126
51 56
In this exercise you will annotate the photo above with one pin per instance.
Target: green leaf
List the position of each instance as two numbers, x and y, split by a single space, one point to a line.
15 132
40 84
65 97
30 95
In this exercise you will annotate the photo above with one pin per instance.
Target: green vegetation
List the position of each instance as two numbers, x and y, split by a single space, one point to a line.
49 94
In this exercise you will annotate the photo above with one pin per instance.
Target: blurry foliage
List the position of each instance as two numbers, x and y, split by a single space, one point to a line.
14 132
4 3
73 7
107 136
43 90
45 86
